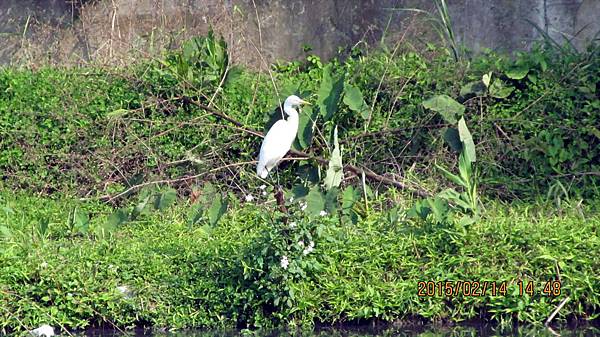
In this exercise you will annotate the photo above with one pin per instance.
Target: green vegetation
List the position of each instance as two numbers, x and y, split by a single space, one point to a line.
137 202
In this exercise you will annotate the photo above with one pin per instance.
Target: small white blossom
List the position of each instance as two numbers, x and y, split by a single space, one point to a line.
44 330
291 199
285 262
264 193
292 224
301 243
249 198
43 265
262 187
309 248
322 213
303 206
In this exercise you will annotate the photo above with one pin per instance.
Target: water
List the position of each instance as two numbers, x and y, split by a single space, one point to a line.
365 331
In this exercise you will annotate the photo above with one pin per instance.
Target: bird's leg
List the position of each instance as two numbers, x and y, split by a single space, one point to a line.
280 198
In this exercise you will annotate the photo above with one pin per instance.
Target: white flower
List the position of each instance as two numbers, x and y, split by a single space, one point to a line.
322 213
310 248
249 198
264 193
292 225
262 187
285 262
291 199
301 243
44 330
43 265
303 206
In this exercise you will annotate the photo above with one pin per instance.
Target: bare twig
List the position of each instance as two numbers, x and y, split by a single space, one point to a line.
560 306
171 181
354 169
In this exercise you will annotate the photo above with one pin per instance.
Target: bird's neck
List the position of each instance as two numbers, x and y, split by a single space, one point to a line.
292 114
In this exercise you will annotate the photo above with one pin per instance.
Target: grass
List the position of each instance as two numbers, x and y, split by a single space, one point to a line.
181 275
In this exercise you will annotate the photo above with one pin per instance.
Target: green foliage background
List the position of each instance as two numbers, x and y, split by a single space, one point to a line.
209 251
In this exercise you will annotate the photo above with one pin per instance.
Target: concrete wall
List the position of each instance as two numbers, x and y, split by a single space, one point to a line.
66 31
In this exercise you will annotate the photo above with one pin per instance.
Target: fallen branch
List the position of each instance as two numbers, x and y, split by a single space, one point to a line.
560 306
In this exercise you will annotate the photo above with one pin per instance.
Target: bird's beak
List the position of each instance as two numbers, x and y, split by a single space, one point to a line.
305 102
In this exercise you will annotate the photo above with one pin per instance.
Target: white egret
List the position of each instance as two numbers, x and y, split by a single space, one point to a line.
280 137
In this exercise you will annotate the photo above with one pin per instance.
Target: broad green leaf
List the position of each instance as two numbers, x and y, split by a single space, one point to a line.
335 170
420 209
329 92
196 213
299 191
393 215
350 197
116 219
308 117
473 88
446 106
464 167
353 98
141 206
462 203
331 200
315 201
517 72
81 220
439 208
467 140
449 194
216 210
456 179
165 199
452 137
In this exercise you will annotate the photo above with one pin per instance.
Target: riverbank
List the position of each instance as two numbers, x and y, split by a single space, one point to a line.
423 185
161 271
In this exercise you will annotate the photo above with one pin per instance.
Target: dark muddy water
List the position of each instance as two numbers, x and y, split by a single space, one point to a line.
460 331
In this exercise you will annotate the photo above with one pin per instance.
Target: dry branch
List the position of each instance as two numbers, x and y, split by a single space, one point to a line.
354 169
358 171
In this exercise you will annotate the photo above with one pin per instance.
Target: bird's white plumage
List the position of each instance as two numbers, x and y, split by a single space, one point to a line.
279 139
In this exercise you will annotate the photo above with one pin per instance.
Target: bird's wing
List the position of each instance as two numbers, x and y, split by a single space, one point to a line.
275 145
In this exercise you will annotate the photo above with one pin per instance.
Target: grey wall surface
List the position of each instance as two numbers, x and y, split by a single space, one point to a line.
260 31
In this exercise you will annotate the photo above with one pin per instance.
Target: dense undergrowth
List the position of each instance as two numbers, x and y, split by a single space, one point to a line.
93 131
177 275
514 196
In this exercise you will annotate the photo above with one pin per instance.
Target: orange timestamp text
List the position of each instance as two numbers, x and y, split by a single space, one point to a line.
484 288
